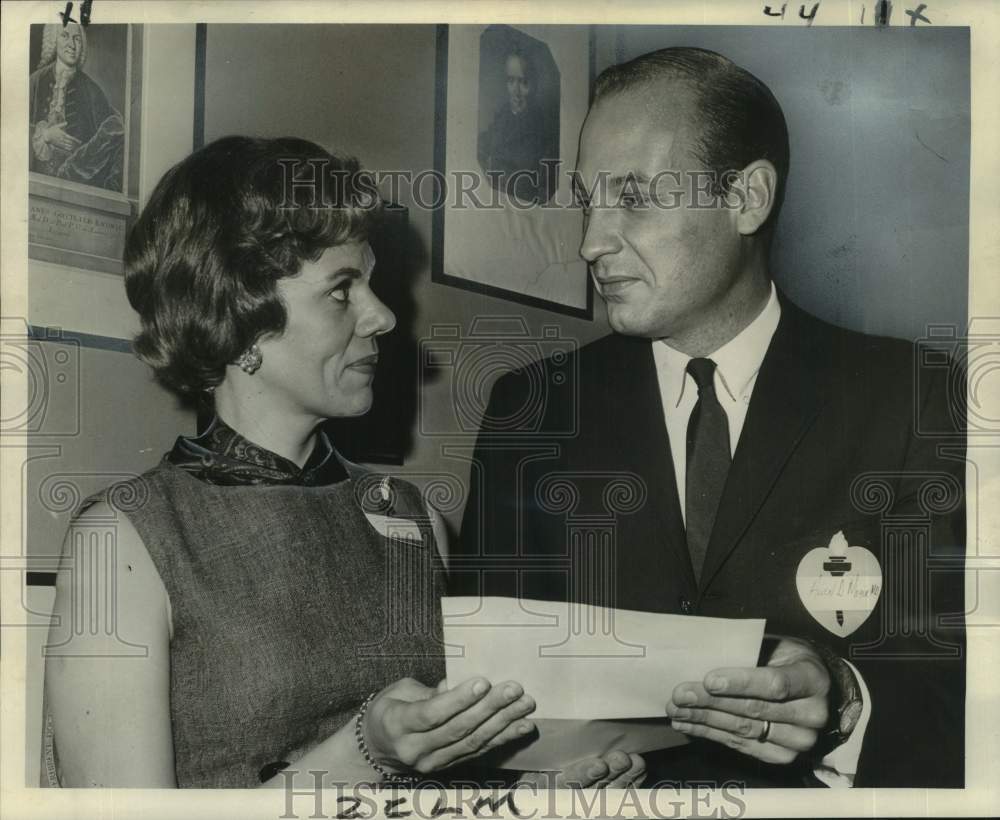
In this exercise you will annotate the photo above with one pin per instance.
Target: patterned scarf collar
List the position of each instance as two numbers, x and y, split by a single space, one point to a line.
222 456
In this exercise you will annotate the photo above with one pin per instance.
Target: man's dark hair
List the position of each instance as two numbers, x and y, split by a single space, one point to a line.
738 119
220 229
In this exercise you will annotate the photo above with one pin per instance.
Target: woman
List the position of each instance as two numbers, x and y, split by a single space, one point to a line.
281 627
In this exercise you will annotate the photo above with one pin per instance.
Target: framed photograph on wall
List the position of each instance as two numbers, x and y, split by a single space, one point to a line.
510 103
85 98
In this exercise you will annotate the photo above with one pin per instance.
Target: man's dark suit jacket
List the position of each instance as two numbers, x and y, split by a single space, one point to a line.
844 432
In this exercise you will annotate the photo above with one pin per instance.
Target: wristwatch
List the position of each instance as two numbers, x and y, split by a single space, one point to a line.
846 701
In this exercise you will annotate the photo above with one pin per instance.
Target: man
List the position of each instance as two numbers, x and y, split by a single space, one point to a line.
762 451
76 134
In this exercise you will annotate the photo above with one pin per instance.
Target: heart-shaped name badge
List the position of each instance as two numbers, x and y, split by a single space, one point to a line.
839 585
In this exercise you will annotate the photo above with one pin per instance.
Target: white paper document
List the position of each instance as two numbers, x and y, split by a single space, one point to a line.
600 677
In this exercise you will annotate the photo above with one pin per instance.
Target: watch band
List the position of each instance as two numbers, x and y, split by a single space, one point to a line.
846 700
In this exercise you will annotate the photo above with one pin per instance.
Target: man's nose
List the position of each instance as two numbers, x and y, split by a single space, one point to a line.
599 235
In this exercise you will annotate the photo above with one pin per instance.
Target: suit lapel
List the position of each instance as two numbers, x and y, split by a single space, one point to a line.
786 400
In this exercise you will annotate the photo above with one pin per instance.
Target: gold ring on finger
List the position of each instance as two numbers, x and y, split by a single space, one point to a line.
764 732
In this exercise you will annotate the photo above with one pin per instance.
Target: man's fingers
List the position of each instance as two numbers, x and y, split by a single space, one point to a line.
781 734
767 751
582 773
615 770
618 762
633 776
798 679
809 713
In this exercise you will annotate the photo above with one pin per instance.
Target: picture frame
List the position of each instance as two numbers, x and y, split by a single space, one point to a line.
84 142
505 224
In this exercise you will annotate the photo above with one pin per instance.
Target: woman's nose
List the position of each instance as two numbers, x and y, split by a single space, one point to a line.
378 319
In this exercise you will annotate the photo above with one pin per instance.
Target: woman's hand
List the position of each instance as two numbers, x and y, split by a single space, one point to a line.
410 726
615 770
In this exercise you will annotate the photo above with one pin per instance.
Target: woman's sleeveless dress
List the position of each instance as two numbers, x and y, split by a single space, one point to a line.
291 600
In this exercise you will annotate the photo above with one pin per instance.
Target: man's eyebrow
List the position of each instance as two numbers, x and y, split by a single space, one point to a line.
631 176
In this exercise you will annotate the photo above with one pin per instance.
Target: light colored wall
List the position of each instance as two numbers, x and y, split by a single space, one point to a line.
369 91
873 234
106 416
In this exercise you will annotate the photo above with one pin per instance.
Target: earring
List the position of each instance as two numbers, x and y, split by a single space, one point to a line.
249 361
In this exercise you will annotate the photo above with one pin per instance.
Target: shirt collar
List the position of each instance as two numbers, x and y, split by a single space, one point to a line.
220 455
737 361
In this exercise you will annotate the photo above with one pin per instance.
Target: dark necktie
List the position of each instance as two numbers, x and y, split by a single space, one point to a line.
708 461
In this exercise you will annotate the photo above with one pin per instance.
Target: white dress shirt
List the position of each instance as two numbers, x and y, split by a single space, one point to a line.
737 364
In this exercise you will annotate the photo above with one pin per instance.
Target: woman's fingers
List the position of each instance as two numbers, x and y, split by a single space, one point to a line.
498 728
435 709
518 730
473 727
447 726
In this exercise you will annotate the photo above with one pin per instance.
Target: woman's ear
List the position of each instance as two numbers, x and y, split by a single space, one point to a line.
759 187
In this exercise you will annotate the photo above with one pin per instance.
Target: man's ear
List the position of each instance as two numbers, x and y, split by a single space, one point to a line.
759 188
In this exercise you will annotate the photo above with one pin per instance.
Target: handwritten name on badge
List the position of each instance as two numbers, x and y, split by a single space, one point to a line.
845 593
839 585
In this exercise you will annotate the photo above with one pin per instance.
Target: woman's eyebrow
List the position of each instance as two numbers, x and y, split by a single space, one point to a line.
347 273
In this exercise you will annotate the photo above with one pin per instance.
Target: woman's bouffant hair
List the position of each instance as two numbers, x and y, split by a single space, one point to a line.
221 228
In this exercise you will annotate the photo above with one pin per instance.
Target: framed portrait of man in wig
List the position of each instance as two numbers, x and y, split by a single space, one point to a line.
83 138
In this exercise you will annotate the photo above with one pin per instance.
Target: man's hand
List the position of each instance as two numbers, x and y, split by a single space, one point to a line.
786 700
614 770
56 135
